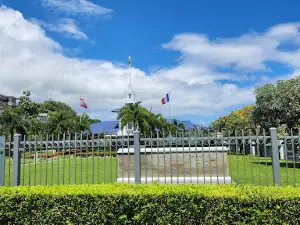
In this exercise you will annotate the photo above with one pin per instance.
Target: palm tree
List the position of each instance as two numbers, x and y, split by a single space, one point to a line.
60 122
13 120
135 114
83 124
35 127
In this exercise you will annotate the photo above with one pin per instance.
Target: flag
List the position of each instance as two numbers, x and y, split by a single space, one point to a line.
82 103
165 99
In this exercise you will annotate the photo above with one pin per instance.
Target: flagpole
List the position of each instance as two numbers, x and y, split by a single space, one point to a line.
169 107
80 112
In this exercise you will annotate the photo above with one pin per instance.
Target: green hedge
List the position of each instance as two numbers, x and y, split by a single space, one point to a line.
149 204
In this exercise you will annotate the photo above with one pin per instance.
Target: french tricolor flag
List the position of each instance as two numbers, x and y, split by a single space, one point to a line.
165 99
82 103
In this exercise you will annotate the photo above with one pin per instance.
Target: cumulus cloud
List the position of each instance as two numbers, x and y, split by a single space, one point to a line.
29 59
76 7
249 52
65 26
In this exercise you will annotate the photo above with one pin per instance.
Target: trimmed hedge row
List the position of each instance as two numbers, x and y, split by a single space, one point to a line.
149 204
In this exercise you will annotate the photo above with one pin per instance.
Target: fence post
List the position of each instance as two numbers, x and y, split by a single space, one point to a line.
2 158
137 157
17 160
275 156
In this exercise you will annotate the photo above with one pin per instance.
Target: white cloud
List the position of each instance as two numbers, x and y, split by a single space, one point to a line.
248 52
65 26
76 7
31 60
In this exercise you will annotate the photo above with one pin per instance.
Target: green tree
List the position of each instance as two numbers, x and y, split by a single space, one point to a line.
135 114
29 107
13 120
61 122
83 123
56 106
278 104
236 120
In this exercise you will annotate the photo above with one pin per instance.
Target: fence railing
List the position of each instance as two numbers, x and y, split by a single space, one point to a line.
241 158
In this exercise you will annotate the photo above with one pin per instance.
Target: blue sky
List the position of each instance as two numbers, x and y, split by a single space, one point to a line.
211 54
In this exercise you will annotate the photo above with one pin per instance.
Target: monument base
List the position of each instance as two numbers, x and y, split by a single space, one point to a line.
180 180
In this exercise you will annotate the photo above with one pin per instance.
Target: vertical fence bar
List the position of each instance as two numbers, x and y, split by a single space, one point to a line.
183 145
244 153
24 161
145 161
190 157
17 160
230 156
104 163
116 161
64 158
294 157
93 158
2 160
69 166
217 164
170 155
196 143
110 158
75 159
151 160
209 159
266 162
87 160
29 159
122 157
251 161
35 160
58 153
9 160
47 138
41 161
203 161
157 152
99 157
286 160
137 158
81 139
275 157
165 172
258 156
223 157
52 160
177 158
236 156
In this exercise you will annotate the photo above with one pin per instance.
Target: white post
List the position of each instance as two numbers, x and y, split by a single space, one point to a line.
253 148
281 150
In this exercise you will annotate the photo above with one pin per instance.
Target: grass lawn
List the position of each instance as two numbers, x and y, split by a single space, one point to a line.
258 170
243 169
62 171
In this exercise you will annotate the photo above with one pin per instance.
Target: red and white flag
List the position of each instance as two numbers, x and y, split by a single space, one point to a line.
82 103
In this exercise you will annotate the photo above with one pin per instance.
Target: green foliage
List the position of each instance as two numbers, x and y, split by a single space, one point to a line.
56 106
147 121
236 120
149 204
13 120
29 107
278 104
62 118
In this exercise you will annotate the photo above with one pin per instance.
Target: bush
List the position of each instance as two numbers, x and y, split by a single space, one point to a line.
149 204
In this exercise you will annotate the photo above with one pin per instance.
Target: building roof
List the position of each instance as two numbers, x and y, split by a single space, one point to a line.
105 127
116 110
113 126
